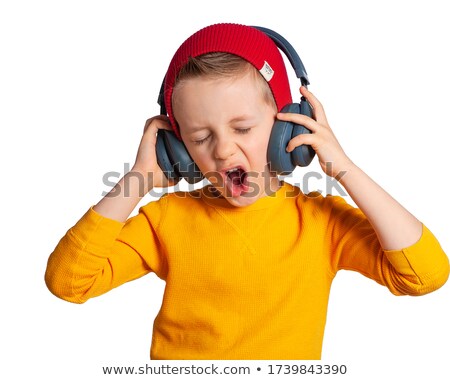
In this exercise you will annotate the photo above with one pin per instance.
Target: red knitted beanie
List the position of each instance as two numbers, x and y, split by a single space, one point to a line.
246 42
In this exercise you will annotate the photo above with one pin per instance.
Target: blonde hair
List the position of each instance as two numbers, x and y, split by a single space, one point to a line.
223 65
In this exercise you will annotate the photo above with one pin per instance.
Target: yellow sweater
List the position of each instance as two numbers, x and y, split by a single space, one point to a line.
241 283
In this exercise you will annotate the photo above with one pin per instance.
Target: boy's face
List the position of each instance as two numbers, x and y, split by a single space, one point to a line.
225 124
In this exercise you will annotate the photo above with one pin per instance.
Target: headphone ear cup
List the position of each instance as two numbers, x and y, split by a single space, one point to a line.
303 154
280 160
163 158
181 163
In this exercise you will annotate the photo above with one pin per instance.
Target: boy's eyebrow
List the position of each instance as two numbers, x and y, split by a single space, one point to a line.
237 119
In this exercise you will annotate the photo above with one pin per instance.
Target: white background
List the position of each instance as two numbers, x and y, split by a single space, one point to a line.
78 79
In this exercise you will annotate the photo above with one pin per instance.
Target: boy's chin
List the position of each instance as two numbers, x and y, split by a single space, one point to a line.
248 195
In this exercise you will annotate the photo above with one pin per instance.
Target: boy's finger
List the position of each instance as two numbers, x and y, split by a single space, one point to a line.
318 110
296 141
300 119
161 120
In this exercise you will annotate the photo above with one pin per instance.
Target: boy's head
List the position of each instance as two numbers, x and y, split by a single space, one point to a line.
222 91
246 42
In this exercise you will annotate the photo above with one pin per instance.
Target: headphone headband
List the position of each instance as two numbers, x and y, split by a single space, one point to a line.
161 102
290 53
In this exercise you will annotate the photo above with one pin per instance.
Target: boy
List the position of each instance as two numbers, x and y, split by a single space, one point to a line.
249 260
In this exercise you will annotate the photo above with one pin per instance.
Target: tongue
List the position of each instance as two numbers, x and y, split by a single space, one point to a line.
235 177
237 182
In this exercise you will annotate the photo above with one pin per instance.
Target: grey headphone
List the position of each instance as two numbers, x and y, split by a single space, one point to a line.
176 163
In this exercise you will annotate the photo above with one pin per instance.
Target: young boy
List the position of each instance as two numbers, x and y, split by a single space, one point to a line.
248 261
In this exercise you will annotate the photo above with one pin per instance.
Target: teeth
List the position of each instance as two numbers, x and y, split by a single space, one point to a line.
232 170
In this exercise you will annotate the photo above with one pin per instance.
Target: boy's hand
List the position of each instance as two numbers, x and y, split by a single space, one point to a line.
146 162
126 194
321 139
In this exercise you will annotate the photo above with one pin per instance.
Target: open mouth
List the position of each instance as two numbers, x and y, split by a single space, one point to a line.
236 181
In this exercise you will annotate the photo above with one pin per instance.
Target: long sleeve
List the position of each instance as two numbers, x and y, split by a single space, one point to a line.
98 254
416 270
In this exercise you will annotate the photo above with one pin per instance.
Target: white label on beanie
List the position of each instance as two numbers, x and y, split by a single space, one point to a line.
267 72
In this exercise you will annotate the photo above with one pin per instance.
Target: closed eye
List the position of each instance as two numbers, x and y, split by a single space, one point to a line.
200 142
243 131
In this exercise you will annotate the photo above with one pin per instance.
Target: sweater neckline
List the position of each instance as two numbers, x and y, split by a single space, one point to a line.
286 190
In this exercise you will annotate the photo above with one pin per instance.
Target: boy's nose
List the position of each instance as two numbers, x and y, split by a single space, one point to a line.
224 148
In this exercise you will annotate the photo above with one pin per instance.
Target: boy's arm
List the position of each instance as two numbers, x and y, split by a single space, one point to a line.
417 269
395 227
102 251
145 174
98 254
390 244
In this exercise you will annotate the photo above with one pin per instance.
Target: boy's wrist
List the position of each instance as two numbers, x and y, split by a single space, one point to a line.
338 169
140 178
